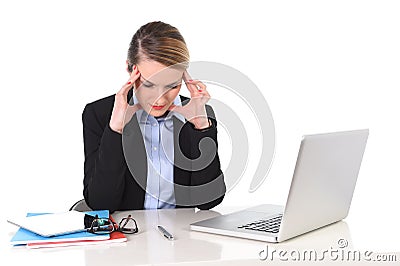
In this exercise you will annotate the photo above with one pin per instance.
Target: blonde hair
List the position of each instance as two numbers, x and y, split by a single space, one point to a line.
160 42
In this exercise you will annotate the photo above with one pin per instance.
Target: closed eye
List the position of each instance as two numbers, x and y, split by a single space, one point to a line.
174 87
148 85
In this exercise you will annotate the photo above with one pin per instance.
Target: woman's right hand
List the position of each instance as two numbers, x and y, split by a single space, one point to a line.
122 111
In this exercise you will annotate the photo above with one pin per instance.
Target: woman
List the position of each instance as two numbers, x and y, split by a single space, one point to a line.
127 166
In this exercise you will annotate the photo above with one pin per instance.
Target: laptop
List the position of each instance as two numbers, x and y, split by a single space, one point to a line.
320 193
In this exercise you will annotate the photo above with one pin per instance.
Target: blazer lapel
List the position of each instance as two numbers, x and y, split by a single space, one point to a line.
182 165
135 152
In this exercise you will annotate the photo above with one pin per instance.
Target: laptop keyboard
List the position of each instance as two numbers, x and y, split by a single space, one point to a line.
270 225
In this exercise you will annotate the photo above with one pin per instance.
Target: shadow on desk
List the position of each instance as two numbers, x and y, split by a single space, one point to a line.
328 236
149 246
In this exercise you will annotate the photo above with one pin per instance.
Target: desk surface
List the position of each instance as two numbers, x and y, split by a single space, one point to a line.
189 247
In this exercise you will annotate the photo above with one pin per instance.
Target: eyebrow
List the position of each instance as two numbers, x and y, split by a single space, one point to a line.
174 83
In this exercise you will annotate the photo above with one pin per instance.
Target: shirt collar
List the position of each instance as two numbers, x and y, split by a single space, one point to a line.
142 115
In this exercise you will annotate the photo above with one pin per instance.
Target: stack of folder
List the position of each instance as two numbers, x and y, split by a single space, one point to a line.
32 240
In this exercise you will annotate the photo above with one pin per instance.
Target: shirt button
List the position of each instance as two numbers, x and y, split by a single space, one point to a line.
155 148
154 124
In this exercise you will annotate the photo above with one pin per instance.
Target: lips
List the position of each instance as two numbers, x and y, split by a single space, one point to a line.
157 107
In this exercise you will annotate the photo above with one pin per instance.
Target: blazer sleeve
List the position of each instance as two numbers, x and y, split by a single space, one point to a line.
212 173
104 167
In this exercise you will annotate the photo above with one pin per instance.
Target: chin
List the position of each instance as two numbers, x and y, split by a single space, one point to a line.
156 113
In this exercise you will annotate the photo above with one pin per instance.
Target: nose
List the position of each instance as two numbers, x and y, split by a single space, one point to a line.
160 98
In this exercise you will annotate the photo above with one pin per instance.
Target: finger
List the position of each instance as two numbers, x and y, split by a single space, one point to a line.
129 84
199 85
186 76
135 73
189 86
197 88
188 80
192 89
194 86
204 93
125 88
202 97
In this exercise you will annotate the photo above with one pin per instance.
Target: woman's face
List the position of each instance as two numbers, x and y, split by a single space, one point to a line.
157 86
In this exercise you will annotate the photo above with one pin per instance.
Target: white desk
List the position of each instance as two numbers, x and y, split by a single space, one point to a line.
188 248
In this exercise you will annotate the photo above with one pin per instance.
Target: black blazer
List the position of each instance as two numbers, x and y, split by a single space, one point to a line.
109 182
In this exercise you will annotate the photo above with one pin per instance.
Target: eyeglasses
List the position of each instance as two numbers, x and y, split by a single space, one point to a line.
100 226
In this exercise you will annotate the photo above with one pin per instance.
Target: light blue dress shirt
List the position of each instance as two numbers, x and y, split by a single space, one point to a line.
158 137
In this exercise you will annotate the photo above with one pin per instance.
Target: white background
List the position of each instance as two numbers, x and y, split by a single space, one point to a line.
322 66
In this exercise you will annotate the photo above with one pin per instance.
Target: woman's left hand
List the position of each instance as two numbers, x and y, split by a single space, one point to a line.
195 110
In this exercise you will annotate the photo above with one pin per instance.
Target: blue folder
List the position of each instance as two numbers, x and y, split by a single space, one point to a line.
23 236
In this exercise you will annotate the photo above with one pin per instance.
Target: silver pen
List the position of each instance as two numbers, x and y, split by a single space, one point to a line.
165 233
